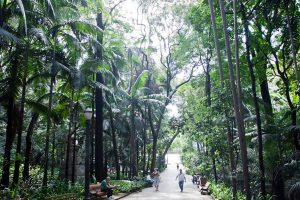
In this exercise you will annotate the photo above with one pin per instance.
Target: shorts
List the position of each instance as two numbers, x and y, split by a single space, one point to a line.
156 181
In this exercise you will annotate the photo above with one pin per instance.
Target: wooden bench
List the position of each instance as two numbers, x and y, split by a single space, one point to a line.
67 196
204 185
96 191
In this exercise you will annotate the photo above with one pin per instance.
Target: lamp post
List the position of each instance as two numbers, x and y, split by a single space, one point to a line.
88 117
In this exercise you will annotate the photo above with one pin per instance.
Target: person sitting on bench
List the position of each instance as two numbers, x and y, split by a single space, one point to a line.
106 187
149 181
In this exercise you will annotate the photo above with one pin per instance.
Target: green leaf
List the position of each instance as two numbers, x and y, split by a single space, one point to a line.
140 82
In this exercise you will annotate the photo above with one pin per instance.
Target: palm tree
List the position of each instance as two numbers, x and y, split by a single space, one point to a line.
255 100
238 115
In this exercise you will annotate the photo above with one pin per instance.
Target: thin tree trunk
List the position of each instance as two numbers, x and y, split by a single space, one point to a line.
144 146
237 62
214 166
264 90
45 176
148 161
99 164
239 119
92 139
294 114
114 141
10 135
170 143
217 43
232 163
99 153
256 105
154 143
133 152
74 149
28 148
69 136
289 23
20 118
53 151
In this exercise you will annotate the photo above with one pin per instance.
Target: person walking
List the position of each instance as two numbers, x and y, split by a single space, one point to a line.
155 175
181 179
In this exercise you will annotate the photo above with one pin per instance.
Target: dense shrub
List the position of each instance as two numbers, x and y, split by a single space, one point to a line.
220 192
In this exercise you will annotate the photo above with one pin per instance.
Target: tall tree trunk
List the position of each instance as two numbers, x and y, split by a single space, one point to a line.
294 113
20 128
170 143
114 141
237 62
74 147
10 135
264 90
214 166
291 35
256 105
217 43
12 123
53 151
144 145
99 153
133 151
232 163
28 148
239 119
20 118
69 137
92 139
148 161
154 137
99 156
45 176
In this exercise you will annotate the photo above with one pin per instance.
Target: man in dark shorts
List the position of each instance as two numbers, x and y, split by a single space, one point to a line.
106 187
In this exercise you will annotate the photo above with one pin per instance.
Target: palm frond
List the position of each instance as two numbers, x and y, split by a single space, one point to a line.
101 86
7 36
37 76
57 66
78 79
81 26
21 6
51 6
42 109
67 12
40 34
90 65
122 92
111 76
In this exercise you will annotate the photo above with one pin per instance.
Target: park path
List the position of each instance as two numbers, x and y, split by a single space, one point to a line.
168 187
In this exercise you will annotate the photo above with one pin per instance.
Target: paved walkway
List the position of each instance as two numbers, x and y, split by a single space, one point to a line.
168 188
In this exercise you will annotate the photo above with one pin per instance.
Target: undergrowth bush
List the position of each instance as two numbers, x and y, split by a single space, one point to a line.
221 192
126 186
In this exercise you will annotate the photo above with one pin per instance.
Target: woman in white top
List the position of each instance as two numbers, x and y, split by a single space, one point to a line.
181 178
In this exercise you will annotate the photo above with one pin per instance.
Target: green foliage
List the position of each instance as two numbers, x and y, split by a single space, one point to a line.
126 186
220 192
